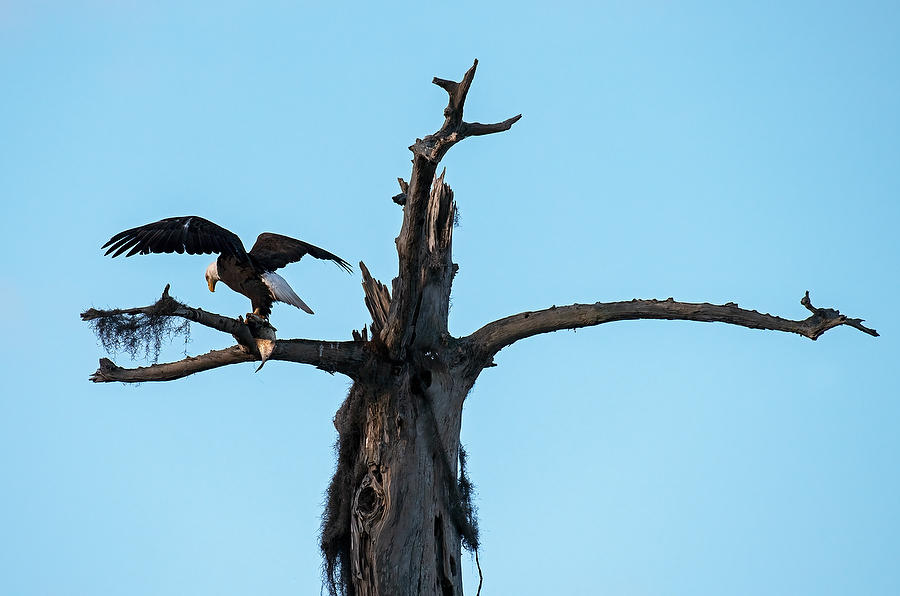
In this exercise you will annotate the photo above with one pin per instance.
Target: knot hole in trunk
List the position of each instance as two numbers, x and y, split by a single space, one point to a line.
368 503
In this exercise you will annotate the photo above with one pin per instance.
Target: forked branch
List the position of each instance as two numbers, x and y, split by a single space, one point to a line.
407 288
433 147
343 357
494 336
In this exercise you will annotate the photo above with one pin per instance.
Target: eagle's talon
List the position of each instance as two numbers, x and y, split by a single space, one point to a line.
257 318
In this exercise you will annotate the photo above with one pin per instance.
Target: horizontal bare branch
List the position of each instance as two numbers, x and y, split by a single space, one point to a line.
474 129
494 336
168 306
109 372
342 357
345 357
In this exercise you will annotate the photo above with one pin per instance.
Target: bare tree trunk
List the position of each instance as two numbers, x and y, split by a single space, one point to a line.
396 521
405 515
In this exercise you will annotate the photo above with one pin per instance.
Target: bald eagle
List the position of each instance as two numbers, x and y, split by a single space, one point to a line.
249 273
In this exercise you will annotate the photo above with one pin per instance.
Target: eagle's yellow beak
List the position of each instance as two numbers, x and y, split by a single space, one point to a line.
212 285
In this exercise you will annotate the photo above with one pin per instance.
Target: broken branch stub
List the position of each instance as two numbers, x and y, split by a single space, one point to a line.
378 301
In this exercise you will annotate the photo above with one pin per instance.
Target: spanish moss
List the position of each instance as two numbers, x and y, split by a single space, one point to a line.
140 334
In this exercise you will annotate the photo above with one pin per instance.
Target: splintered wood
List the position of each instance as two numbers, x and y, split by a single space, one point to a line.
378 301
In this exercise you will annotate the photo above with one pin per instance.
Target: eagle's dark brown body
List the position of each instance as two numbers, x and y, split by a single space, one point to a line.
244 279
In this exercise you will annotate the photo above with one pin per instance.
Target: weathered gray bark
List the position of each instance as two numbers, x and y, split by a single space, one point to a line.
406 517
395 519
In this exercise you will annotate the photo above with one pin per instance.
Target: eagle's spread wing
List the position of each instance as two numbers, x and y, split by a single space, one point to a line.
191 234
273 251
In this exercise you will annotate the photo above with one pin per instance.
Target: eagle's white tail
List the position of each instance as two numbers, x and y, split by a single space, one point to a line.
283 292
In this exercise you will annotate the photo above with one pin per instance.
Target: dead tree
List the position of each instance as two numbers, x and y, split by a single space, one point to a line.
397 509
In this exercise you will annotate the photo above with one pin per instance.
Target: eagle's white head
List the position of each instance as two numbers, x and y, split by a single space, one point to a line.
212 275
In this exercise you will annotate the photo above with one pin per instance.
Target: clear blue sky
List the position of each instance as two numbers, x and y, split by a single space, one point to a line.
708 151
